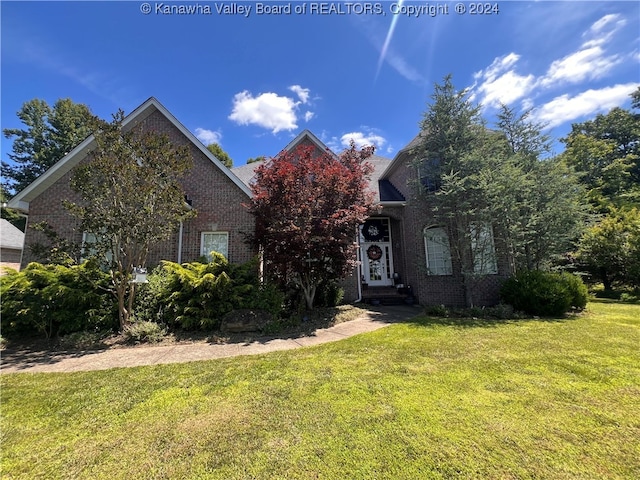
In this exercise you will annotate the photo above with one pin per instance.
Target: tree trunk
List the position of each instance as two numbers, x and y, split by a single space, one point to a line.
468 282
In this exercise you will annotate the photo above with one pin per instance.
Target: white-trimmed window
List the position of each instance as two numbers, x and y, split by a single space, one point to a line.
437 251
483 248
214 242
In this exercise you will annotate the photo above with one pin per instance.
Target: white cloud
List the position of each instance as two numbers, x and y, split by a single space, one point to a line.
303 93
208 136
586 64
565 108
363 139
499 84
270 110
267 110
590 61
602 30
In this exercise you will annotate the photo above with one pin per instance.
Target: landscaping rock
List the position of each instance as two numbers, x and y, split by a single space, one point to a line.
240 321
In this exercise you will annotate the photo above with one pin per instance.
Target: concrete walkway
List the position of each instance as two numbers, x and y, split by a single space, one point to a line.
76 361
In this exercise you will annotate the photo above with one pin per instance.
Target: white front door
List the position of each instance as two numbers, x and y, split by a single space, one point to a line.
375 252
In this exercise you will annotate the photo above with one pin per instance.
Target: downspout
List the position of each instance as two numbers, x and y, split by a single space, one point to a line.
359 270
180 242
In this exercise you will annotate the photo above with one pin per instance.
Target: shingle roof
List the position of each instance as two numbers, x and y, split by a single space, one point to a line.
10 235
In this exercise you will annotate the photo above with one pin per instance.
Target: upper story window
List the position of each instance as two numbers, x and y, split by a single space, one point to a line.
437 251
429 174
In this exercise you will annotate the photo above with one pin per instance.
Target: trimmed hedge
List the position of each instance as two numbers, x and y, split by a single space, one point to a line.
544 293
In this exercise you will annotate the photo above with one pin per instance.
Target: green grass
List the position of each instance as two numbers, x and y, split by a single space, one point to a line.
528 399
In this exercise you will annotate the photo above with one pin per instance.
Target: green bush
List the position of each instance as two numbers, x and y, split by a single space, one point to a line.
197 295
144 332
542 293
329 294
56 299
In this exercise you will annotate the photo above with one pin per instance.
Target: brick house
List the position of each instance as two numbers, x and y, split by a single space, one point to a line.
401 250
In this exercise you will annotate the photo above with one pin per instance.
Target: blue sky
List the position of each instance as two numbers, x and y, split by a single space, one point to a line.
251 83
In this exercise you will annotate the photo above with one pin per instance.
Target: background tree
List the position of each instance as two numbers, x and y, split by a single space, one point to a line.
50 133
308 205
606 152
610 249
220 154
256 159
131 199
546 211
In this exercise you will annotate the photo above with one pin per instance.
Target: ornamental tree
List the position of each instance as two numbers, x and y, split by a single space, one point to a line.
131 199
308 205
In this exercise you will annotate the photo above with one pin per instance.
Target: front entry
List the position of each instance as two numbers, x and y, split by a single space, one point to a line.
375 252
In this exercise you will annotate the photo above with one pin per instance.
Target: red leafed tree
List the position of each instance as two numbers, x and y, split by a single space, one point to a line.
308 205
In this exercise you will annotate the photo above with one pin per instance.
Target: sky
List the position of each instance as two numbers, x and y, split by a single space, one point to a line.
252 75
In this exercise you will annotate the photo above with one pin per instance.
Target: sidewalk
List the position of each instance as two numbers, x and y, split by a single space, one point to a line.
20 361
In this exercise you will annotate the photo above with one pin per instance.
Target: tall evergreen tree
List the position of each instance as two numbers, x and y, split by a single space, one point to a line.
50 133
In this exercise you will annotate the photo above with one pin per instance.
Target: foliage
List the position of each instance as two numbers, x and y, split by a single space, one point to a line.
197 295
260 158
50 133
610 249
329 294
220 154
131 198
485 185
544 293
144 332
55 299
307 205
606 152
461 399
539 203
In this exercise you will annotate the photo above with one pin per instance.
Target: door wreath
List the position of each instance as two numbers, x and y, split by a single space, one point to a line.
374 252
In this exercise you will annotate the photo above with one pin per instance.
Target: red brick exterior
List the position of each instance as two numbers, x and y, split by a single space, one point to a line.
217 200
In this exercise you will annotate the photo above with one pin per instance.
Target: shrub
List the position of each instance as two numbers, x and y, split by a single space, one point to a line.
144 332
329 294
197 295
543 293
56 299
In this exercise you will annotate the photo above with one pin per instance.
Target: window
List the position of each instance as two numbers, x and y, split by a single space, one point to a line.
90 250
429 174
437 251
483 249
214 242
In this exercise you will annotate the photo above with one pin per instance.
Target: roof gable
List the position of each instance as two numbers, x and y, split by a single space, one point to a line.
73 158
10 235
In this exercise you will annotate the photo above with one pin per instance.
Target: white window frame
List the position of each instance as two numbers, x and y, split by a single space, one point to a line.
202 244
484 255
440 253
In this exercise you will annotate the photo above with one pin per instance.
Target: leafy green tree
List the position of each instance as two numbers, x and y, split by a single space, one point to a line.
606 152
220 154
131 199
50 133
256 159
610 250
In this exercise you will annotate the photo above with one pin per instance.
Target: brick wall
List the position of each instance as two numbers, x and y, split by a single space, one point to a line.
215 197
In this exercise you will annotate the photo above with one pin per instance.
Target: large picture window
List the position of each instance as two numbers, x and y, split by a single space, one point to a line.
214 242
437 251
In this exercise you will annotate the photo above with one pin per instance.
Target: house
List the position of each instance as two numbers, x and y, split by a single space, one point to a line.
11 241
401 251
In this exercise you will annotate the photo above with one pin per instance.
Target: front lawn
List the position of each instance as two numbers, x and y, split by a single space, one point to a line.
527 399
